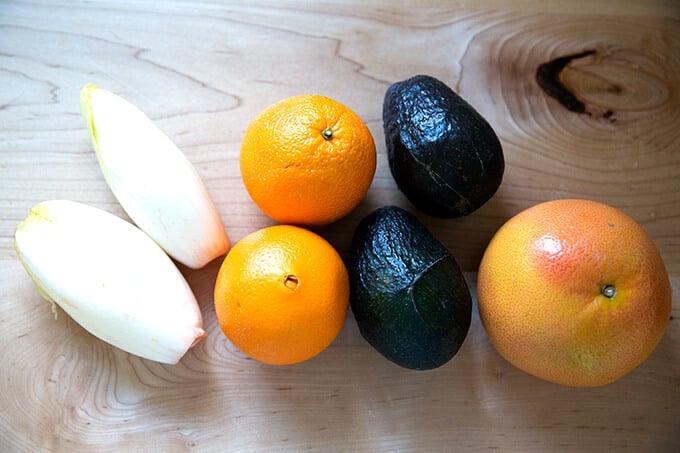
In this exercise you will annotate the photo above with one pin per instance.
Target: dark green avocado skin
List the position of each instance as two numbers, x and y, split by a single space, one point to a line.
444 156
407 293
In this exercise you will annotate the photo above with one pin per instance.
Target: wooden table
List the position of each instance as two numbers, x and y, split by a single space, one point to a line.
202 71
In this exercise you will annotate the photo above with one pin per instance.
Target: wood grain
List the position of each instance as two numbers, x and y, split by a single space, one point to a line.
202 71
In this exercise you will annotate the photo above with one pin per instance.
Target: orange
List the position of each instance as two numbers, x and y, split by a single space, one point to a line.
573 292
282 294
307 160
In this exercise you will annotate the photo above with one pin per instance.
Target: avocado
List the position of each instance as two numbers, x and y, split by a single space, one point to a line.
443 155
407 293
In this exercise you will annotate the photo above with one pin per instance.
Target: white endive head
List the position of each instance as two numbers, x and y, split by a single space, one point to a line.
111 278
152 179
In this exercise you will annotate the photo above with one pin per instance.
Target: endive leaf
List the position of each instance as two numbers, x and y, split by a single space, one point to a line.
152 179
111 278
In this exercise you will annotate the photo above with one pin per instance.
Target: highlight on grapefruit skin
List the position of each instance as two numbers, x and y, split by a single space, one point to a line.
574 292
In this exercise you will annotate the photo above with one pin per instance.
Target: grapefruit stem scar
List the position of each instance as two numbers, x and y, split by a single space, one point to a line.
608 291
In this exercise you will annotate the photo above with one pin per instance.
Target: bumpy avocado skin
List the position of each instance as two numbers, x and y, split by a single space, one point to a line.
407 293
443 155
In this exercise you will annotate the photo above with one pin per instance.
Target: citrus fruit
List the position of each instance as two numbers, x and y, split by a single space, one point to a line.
573 292
282 294
307 160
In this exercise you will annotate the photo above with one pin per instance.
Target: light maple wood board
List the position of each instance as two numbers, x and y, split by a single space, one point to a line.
202 71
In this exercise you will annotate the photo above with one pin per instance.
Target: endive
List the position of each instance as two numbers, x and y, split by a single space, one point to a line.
111 278
152 179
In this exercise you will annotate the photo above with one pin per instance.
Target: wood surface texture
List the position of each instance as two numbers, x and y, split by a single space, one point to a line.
202 71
